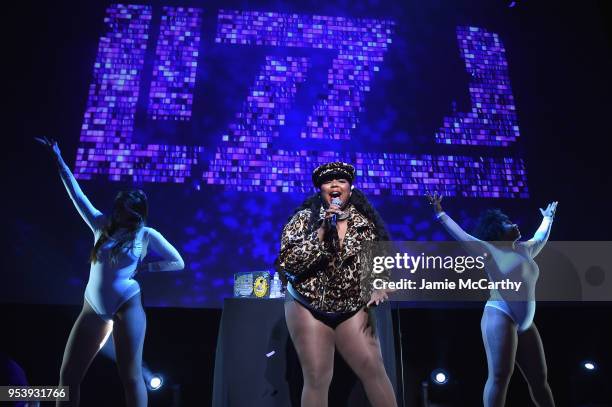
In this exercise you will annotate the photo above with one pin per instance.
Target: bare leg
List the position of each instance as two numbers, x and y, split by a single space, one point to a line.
128 334
361 350
88 333
500 341
314 344
532 364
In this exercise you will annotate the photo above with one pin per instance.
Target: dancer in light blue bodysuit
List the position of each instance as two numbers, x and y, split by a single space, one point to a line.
112 297
508 331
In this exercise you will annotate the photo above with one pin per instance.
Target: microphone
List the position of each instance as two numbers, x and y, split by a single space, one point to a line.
334 219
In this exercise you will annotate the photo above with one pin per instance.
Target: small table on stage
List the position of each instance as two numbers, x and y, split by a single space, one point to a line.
256 364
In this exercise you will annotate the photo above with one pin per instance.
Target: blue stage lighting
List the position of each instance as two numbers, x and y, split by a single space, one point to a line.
439 376
155 382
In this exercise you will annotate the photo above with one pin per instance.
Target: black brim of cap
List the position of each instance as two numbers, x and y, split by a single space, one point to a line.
334 175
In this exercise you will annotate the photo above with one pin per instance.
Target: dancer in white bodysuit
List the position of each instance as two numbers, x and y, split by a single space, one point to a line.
508 331
121 242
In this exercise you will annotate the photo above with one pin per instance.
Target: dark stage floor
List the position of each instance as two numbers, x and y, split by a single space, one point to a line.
181 344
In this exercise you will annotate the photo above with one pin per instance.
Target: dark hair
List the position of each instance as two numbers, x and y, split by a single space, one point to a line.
359 201
130 211
363 206
490 225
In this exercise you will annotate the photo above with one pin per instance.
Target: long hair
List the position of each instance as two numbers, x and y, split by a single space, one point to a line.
359 201
490 225
130 210
363 206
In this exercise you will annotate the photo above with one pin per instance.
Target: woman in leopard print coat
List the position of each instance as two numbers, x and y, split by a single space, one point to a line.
326 306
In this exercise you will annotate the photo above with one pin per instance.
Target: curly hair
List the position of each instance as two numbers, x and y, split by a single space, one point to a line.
359 201
363 206
490 225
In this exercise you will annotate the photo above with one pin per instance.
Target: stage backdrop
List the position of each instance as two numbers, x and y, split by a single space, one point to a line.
221 110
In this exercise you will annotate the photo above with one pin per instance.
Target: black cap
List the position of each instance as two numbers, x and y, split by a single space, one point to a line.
333 170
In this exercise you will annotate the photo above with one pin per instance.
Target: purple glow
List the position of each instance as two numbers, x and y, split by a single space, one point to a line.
377 174
109 116
106 146
244 159
361 44
176 61
492 119
250 135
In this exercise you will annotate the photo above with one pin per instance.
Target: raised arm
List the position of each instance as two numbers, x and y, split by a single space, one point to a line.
172 260
90 215
473 244
540 237
301 249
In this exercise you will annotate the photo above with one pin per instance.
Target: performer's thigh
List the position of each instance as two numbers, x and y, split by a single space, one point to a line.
358 346
499 336
129 334
530 355
84 342
313 340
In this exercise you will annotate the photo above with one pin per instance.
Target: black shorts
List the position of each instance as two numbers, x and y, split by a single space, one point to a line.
331 319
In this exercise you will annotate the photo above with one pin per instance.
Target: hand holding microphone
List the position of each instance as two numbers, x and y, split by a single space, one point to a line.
334 218
331 217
